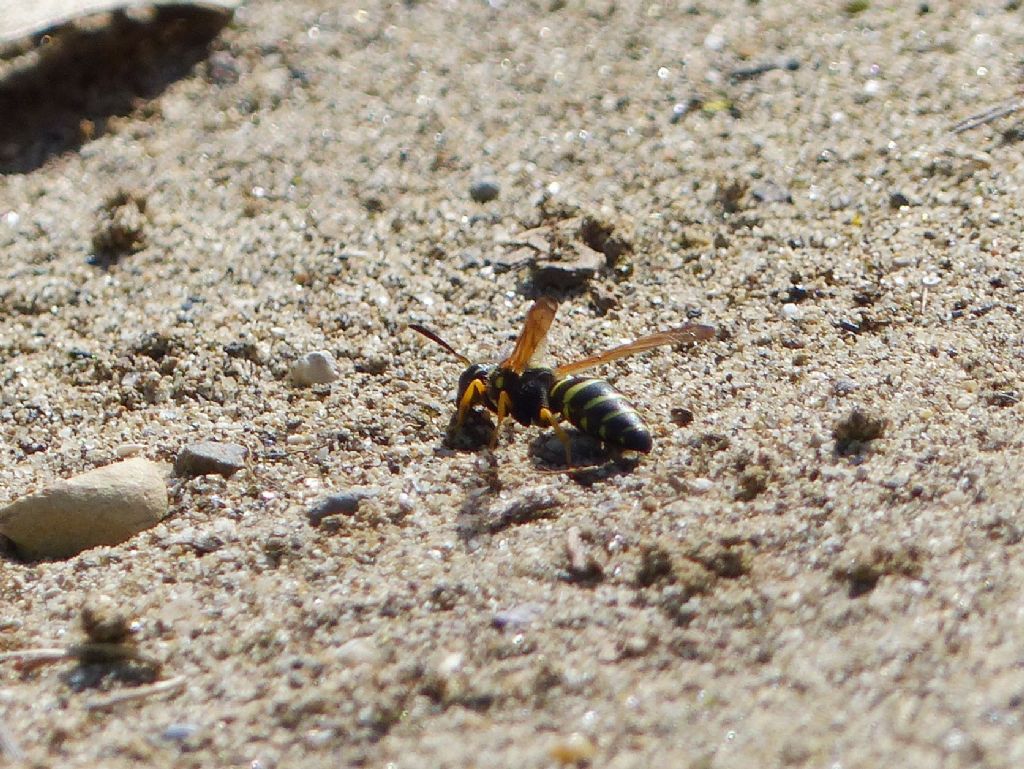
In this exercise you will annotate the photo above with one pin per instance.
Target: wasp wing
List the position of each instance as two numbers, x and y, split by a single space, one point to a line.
691 332
538 321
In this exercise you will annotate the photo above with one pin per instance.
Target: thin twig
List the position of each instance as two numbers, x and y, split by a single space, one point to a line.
90 652
36 655
988 116
138 693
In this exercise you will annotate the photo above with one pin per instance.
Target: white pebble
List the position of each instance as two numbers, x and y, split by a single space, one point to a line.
314 368
791 311
701 485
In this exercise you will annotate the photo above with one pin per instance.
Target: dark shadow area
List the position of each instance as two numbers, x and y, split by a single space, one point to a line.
103 663
80 79
473 435
591 462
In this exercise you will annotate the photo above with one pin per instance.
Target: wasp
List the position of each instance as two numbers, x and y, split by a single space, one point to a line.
532 394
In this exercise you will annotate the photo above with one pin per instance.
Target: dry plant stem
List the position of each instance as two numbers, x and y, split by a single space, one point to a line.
36 656
138 693
85 652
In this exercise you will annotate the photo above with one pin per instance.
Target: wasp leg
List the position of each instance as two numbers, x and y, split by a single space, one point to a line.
473 395
547 416
504 407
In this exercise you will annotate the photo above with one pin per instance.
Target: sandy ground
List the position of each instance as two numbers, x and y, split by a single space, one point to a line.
819 565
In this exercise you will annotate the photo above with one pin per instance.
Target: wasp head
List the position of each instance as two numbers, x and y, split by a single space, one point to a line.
475 372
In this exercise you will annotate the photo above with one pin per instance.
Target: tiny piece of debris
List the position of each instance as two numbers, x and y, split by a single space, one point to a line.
862 565
122 227
145 691
103 621
210 458
681 417
584 565
854 432
752 481
729 195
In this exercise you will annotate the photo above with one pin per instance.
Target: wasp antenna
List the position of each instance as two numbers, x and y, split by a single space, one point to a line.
435 338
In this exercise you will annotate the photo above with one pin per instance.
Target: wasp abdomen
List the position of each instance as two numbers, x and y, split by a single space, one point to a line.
599 410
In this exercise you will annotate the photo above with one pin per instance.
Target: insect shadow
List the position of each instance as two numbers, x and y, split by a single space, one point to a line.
592 462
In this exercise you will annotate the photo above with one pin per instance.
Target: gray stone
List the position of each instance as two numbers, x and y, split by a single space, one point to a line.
101 507
210 458
340 503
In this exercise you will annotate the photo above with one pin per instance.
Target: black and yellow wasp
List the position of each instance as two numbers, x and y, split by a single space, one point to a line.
539 395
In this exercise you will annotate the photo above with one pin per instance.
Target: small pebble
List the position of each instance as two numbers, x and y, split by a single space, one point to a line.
573 749
358 651
126 450
222 68
179 732
791 311
340 503
517 617
484 190
314 368
101 507
210 458
701 485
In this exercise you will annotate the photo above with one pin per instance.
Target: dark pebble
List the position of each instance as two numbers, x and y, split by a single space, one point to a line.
898 200
210 458
484 190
